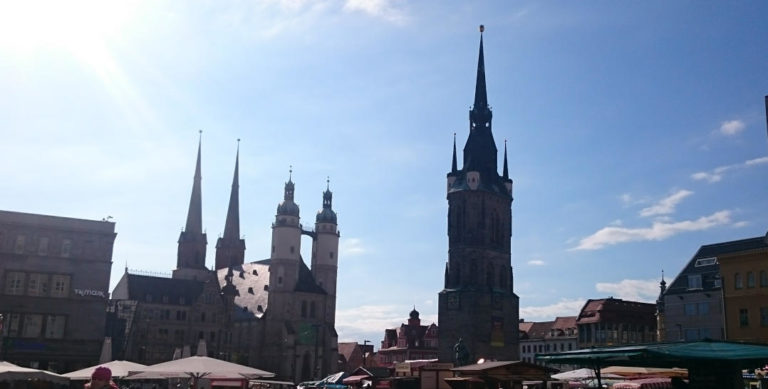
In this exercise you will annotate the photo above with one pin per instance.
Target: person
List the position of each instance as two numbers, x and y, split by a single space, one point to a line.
101 378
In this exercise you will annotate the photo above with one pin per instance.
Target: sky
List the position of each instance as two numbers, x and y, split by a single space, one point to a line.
636 133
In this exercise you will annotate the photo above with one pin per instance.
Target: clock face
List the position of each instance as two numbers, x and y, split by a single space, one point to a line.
453 301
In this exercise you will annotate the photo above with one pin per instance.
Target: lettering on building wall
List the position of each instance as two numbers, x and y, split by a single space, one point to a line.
90 292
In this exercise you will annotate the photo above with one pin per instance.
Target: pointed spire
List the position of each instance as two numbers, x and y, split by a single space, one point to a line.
506 169
195 213
232 225
481 97
453 163
289 186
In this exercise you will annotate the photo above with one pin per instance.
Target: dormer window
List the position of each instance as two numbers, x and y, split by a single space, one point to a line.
706 261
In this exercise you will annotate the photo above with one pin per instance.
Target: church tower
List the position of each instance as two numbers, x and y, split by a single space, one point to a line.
286 244
230 249
190 257
325 250
478 304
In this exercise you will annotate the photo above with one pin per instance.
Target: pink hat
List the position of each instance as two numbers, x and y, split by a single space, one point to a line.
102 374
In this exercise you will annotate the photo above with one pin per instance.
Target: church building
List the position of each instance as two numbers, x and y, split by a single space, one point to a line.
276 314
478 309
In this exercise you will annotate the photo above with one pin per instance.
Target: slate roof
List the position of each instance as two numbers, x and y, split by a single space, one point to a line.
139 287
250 280
710 272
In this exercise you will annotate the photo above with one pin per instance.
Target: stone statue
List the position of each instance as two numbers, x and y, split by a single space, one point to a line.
462 353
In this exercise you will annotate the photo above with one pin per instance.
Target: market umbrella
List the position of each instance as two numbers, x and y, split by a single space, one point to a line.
11 372
198 367
119 369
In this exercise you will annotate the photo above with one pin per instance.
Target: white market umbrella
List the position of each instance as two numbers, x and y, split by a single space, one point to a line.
11 372
202 349
106 350
199 367
119 369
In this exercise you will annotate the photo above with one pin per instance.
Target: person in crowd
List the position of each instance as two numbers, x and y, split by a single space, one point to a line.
101 378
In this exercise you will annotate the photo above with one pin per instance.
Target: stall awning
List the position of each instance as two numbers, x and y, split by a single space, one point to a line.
355 379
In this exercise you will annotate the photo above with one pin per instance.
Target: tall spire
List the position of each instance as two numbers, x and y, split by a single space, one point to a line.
195 213
232 225
453 163
505 175
481 97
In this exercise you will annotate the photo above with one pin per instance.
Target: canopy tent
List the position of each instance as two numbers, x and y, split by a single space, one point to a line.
711 364
581 374
645 383
199 367
11 372
119 369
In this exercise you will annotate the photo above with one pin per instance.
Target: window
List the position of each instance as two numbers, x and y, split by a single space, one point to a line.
763 279
303 309
60 284
694 281
19 247
750 279
738 283
42 246
764 316
743 317
331 254
66 248
14 283
32 326
312 309
706 261
54 326
37 284
12 326
704 308
293 249
690 309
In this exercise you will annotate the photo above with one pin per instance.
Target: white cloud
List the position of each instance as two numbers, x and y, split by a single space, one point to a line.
384 9
565 307
658 231
666 205
731 127
634 290
717 173
352 247
370 321
536 262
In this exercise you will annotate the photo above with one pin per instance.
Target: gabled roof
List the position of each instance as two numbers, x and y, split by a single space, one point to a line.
158 289
347 349
709 271
539 329
564 322
612 309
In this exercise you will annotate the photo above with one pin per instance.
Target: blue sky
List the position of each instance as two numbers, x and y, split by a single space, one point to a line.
636 132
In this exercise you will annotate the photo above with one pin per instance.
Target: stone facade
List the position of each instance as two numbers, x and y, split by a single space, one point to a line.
54 285
478 304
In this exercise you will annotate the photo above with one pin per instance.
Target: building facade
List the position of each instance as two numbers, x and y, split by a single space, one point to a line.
54 278
276 314
744 273
477 304
615 322
547 337
410 341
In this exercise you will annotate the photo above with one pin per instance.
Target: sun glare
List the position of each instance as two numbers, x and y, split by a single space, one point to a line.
80 28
